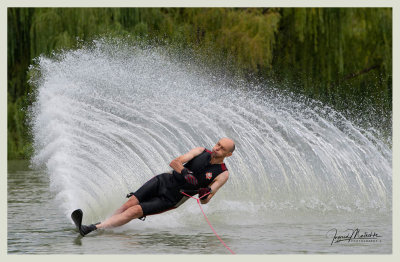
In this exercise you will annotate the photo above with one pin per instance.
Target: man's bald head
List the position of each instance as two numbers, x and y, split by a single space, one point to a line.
228 143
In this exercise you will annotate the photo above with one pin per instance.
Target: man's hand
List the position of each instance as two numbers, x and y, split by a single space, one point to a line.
203 192
177 163
218 182
187 174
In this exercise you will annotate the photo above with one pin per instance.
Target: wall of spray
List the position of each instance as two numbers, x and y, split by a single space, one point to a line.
111 115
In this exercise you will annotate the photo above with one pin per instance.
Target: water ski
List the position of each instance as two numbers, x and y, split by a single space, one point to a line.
77 218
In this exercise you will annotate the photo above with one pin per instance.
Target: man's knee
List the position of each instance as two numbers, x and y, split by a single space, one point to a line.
132 200
134 212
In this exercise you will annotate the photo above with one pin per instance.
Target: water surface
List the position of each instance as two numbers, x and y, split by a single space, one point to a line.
37 225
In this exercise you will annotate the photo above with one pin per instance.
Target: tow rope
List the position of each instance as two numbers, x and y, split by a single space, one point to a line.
198 202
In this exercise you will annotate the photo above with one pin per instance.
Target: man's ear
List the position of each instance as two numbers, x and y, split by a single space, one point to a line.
229 154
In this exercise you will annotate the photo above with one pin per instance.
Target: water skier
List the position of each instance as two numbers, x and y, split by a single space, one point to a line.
200 171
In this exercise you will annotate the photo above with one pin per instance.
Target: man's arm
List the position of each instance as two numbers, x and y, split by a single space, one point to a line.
218 182
177 163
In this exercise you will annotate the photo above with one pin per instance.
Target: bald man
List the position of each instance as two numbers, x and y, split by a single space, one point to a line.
198 171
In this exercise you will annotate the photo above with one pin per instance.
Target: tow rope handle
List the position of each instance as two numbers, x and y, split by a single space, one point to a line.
198 202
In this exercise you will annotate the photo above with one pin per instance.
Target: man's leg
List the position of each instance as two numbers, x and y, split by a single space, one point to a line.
150 207
131 209
122 218
151 204
133 201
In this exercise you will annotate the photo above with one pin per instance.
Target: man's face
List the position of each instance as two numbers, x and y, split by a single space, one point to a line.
222 148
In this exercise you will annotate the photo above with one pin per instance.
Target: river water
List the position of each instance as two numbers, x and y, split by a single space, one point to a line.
109 116
36 225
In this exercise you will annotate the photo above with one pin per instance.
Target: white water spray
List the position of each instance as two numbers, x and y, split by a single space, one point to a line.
109 117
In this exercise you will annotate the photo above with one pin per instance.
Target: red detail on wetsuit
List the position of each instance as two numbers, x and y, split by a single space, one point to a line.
208 151
223 167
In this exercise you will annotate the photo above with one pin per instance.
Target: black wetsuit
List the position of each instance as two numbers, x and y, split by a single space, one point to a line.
163 192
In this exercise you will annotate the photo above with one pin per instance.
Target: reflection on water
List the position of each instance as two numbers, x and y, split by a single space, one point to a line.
36 225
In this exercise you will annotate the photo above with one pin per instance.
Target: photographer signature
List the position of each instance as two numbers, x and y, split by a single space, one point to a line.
352 235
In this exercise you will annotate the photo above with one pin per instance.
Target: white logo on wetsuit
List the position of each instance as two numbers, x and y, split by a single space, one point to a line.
208 175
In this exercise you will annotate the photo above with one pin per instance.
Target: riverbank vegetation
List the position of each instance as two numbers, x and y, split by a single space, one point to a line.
340 56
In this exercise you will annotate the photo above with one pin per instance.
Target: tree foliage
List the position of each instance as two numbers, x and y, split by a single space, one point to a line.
336 55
